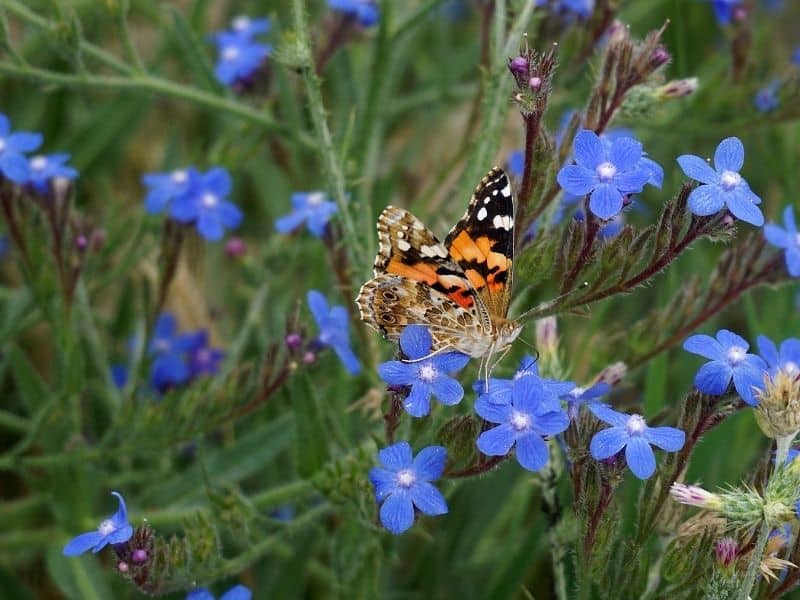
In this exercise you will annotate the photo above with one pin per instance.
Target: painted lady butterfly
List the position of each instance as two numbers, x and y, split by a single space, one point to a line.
459 290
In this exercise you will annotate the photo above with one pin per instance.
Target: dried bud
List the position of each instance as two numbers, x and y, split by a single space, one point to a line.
678 88
778 410
726 551
695 496
235 247
613 373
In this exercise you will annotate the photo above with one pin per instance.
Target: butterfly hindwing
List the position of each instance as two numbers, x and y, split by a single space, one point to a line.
482 242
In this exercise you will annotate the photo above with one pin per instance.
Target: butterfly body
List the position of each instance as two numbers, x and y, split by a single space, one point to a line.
460 289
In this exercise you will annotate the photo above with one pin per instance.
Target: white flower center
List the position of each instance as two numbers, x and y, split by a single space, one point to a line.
38 163
161 345
606 171
230 53
635 425
736 355
240 23
316 198
209 200
427 373
179 176
797 239
106 527
520 421
406 478
730 179
2 144
203 356
577 392
790 368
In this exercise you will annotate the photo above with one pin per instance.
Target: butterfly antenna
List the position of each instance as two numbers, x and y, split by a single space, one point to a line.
546 306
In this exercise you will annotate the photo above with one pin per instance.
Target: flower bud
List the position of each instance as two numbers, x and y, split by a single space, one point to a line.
678 88
293 341
518 65
235 247
613 373
693 495
81 242
139 555
778 410
535 83
547 335
309 358
726 551
122 566
659 57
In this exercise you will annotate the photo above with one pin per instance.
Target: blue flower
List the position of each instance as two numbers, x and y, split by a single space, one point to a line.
787 359
204 360
516 163
724 10
163 188
237 592
313 208
766 99
796 56
579 395
534 412
722 185
119 375
170 351
364 11
13 146
729 360
404 482
787 238
501 390
205 204
607 174
427 374
42 169
334 330
632 433
248 28
579 8
114 530
239 57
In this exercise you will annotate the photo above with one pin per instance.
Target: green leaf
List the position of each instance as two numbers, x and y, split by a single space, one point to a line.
195 53
32 389
311 449
78 577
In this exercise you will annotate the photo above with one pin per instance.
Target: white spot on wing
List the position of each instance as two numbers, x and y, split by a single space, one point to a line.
503 222
431 251
482 213
403 245
506 191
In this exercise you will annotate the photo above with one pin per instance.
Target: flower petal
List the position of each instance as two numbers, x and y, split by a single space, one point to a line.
429 463
670 439
729 155
24 141
631 182
589 149
492 411
608 415
384 482
705 346
749 376
238 592
655 171
576 180
607 442
397 456
777 236
318 306
728 339
118 536
447 390
698 169
793 261
768 351
428 499
451 362
532 452
788 219
742 206
626 152
395 372
551 423
82 543
706 200
416 341
200 594
497 441
713 377
348 357
209 226
606 201
640 458
418 402
397 512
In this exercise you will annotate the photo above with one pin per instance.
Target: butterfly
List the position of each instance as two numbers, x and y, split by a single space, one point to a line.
460 289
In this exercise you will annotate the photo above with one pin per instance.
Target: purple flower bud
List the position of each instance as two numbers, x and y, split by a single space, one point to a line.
535 83
726 551
235 247
139 555
122 566
518 65
81 242
293 341
613 373
309 358
740 14
97 239
659 57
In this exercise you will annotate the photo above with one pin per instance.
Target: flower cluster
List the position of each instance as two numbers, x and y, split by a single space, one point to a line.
36 171
364 12
239 54
193 197
312 208
177 358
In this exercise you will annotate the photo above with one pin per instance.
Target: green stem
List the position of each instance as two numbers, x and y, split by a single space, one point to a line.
12 422
782 450
331 163
552 509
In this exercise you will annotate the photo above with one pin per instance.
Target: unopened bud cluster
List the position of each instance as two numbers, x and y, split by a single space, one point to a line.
778 410
533 73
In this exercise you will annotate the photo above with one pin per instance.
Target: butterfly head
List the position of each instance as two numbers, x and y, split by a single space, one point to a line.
506 331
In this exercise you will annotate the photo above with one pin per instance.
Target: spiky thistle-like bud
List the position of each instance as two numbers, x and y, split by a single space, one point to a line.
678 88
533 73
726 550
694 495
778 410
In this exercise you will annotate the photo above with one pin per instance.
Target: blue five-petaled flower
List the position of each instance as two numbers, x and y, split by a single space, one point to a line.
427 374
404 482
788 238
729 361
13 146
607 173
171 352
114 530
722 185
500 390
632 433
365 12
237 592
786 359
44 168
533 412
313 208
334 330
206 204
